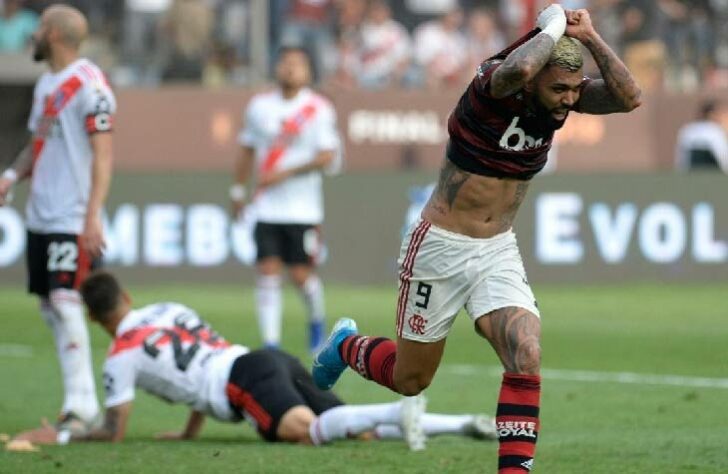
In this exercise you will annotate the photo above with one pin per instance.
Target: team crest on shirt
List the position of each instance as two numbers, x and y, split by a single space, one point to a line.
417 324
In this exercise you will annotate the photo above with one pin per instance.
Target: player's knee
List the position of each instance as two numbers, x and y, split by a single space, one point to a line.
294 425
529 357
295 435
269 266
412 384
303 277
294 432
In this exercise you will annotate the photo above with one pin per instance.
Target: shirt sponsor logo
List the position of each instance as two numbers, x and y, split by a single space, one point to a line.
515 138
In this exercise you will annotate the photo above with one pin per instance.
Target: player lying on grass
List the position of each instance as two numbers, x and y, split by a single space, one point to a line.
169 351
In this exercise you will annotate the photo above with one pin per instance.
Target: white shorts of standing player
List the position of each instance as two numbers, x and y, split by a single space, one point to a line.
441 272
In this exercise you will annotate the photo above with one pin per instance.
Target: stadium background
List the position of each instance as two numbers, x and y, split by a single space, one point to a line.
628 258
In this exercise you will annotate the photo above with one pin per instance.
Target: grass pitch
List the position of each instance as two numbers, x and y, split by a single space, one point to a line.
591 423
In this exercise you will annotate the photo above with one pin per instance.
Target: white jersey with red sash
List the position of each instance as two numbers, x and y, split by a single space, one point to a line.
168 351
286 134
68 106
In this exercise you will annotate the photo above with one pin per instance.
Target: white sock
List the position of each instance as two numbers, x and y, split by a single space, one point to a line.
269 304
313 295
74 352
351 420
433 424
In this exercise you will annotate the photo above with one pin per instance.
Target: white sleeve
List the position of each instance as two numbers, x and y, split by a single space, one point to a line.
119 379
36 111
720 149
327 137
248 136
98 107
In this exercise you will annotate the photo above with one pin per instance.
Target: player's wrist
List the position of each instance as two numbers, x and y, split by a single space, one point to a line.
93 218
555 28
11 175
237 192
552 21
63 437
590 39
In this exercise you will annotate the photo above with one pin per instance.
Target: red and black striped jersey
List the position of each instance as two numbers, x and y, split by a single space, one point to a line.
504 137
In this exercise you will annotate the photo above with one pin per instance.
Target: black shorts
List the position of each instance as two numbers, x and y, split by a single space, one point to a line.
292 243
56 261
266 383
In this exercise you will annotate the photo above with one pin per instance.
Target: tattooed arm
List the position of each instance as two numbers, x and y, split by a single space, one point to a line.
521 66
617 91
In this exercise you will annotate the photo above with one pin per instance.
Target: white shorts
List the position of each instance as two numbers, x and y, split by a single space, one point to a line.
441 272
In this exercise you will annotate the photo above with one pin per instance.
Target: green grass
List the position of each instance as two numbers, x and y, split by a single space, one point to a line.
587 427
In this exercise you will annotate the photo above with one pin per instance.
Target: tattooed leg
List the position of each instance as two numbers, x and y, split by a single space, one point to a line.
514 333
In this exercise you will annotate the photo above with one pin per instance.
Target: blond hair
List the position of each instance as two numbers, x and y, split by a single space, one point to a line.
567 54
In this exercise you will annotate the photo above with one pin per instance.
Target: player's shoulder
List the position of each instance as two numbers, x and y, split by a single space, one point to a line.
263 97
43 82
147 314
321 99
40 85
91 75
260 103
322 102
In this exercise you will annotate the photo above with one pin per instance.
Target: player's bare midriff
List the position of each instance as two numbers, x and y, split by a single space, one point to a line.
473 205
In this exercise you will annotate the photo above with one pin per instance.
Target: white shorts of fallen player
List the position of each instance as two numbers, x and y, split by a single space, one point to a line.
440 272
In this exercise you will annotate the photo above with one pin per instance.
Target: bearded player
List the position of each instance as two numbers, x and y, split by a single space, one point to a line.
463 252
69 164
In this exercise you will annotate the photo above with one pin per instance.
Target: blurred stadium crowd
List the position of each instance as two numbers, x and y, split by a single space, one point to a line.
674 45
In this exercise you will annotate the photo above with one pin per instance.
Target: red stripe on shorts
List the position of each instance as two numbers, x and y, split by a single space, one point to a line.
244 401
414 246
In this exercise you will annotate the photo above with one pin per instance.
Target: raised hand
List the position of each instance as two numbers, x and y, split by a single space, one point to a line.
548 14
579 25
